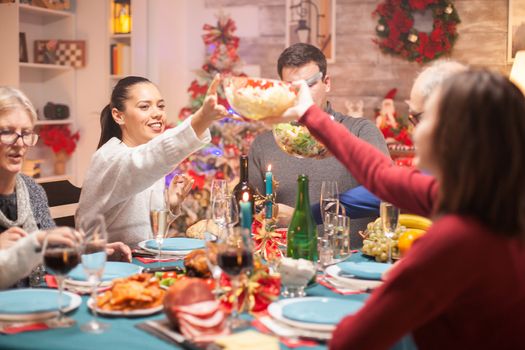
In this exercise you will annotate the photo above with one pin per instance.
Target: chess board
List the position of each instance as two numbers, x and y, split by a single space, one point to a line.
68 53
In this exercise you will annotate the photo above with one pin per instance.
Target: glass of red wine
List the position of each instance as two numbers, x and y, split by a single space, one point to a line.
61 254
235 258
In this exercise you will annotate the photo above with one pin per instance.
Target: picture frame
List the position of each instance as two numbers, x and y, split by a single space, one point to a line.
516 30
22 43
53 4
313 22
62 52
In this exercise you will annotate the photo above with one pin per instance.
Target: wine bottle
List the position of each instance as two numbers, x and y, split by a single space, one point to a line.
302 232
244 186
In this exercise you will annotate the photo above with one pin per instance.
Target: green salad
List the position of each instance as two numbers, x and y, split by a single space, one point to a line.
296 140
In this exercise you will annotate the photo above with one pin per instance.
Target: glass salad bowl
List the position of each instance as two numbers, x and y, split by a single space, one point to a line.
257 98
295 139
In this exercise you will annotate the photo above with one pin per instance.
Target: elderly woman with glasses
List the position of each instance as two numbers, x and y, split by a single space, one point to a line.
23 203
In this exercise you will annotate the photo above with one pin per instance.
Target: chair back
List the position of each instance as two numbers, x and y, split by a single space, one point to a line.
63 199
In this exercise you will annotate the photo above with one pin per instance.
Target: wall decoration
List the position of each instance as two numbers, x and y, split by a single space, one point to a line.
53 4
398 36
62 52
22 43
312 22
516 36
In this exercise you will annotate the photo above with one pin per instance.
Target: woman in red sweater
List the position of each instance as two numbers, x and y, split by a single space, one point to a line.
462 285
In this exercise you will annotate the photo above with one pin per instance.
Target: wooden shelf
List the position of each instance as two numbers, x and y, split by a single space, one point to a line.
51 14
117 77
120 36
54 122
56 67
53 178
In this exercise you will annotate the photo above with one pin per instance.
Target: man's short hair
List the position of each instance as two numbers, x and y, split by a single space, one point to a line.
298 55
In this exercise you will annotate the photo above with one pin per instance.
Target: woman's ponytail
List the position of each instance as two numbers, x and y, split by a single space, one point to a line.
108 127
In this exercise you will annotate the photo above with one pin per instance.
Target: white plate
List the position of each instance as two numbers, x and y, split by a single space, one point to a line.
85 284
164 252
275 310
75 301
353 283
130 313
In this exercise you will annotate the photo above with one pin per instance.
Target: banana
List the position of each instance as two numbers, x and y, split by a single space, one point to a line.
414 221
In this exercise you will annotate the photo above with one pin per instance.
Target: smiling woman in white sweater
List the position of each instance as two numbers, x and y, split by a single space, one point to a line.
135 153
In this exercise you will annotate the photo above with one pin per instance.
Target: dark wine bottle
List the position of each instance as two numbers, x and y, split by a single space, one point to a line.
302 232
244 186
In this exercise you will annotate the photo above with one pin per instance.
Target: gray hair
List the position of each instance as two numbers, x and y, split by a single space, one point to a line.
11 98
434 75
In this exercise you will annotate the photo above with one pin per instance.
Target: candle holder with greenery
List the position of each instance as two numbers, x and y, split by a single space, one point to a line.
62 142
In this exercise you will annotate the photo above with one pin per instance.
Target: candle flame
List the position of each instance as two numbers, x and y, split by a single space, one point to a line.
269 167
245 196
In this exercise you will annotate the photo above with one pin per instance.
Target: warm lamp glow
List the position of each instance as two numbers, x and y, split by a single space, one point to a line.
517 74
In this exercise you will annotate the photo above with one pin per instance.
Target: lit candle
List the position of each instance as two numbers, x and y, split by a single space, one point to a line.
269 191
246 211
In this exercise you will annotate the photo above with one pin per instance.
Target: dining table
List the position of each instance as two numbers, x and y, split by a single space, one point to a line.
124 334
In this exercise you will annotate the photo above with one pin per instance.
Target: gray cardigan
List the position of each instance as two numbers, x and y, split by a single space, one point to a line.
39 204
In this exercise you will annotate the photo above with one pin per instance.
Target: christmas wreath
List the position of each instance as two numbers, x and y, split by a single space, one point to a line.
398 36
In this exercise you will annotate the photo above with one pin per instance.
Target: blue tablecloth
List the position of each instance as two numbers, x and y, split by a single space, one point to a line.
124 335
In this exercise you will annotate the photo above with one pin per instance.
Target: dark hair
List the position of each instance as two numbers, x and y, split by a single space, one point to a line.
300 54
479 143
108 127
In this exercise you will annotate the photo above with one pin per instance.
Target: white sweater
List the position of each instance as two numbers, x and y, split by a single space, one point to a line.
17 261
120 179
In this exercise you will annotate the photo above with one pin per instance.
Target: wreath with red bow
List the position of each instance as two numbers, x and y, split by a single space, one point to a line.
397 35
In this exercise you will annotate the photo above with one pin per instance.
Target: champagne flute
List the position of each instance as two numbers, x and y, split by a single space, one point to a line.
329 198
94 260
232 211
211 250
219 189
60 257
389 219
159 218
235 257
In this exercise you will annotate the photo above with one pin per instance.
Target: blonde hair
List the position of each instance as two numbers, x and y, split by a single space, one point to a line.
11 98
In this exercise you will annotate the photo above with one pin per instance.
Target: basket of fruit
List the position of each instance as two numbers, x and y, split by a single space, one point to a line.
410 228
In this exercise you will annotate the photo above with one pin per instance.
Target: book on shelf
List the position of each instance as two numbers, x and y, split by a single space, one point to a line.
120 59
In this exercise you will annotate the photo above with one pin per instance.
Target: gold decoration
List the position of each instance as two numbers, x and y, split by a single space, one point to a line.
412 38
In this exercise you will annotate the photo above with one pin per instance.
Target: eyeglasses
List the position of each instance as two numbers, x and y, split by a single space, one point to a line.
8 138
314 79
414 117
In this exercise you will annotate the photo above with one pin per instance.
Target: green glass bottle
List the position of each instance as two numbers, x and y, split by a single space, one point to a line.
302 232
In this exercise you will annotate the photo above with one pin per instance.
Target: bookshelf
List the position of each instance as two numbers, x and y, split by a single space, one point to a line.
42 83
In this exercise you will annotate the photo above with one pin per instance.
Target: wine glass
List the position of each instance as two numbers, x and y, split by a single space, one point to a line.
329 198
219 189
235 257
94 260
211 250
389 219
159 214
61 254
232 211
224 212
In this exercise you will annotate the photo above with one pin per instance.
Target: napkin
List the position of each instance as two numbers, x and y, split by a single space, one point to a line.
21 327
286 336
336 286
146 260
246 340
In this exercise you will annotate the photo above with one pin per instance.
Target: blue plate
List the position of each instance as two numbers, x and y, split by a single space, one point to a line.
364 270
328 311
177 244
30 301
112 270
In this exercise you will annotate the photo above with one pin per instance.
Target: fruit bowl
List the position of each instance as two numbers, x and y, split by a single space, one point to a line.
296 140
257 98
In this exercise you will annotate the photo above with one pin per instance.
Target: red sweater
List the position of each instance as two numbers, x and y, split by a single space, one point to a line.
460 286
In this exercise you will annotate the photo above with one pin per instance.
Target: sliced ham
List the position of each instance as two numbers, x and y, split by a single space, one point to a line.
202 309
209 322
